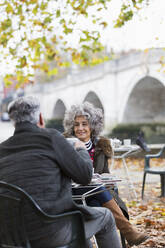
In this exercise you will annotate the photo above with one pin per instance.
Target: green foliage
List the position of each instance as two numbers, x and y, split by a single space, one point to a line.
153 132
34 33
55 123
127 11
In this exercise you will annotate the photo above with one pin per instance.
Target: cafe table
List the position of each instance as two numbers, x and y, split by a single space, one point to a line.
95 187
122 152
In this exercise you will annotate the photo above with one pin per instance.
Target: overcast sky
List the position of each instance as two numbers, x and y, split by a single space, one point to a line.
145 30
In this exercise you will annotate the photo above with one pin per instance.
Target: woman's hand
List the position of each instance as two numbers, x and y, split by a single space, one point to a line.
79 144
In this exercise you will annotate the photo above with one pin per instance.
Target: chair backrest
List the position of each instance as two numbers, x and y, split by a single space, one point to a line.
160 154
12 223
12 226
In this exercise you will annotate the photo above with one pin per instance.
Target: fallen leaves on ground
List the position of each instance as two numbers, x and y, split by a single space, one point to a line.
147 215
137 164
149 218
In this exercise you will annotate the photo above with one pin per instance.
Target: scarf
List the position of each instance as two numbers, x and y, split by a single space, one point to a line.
90 148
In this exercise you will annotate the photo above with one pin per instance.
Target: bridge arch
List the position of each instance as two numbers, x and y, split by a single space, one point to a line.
94 99
145 103
59 110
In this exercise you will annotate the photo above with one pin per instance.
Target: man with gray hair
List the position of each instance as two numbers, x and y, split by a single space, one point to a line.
43 163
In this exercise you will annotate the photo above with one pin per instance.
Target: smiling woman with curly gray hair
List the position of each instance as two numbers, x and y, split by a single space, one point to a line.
85 122
92 114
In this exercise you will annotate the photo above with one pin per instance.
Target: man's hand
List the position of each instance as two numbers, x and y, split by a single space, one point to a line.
79 144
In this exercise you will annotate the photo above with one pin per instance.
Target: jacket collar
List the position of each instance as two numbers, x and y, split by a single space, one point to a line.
25 127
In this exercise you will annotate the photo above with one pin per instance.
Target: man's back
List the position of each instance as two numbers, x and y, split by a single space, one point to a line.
29 159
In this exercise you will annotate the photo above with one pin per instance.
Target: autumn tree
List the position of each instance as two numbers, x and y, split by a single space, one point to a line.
34 33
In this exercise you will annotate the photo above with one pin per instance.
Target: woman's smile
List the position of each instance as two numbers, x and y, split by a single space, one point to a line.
81 128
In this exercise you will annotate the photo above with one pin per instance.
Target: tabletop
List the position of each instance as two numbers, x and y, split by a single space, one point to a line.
124 151
123 148
98 184
98 181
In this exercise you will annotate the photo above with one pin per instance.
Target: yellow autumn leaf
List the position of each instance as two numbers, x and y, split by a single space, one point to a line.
22 62
8 82
146 50
53 72
35 10
33 1
6 24
58 13
47 20
9 8
104 24
43 5
143 207
44 67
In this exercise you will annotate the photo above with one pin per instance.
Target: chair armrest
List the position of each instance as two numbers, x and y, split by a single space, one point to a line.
51 218
157 155
150 156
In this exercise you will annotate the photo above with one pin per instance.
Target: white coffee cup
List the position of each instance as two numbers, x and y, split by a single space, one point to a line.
127 142
115 142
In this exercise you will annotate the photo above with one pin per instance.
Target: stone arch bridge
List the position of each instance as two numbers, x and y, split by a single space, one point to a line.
130 89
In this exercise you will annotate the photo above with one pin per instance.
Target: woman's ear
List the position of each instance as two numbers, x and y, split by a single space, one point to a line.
41 122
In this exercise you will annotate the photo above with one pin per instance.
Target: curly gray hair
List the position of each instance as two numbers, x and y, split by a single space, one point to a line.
23 109
93 115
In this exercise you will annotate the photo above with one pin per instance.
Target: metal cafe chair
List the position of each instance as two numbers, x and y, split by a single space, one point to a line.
154 170
13 201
